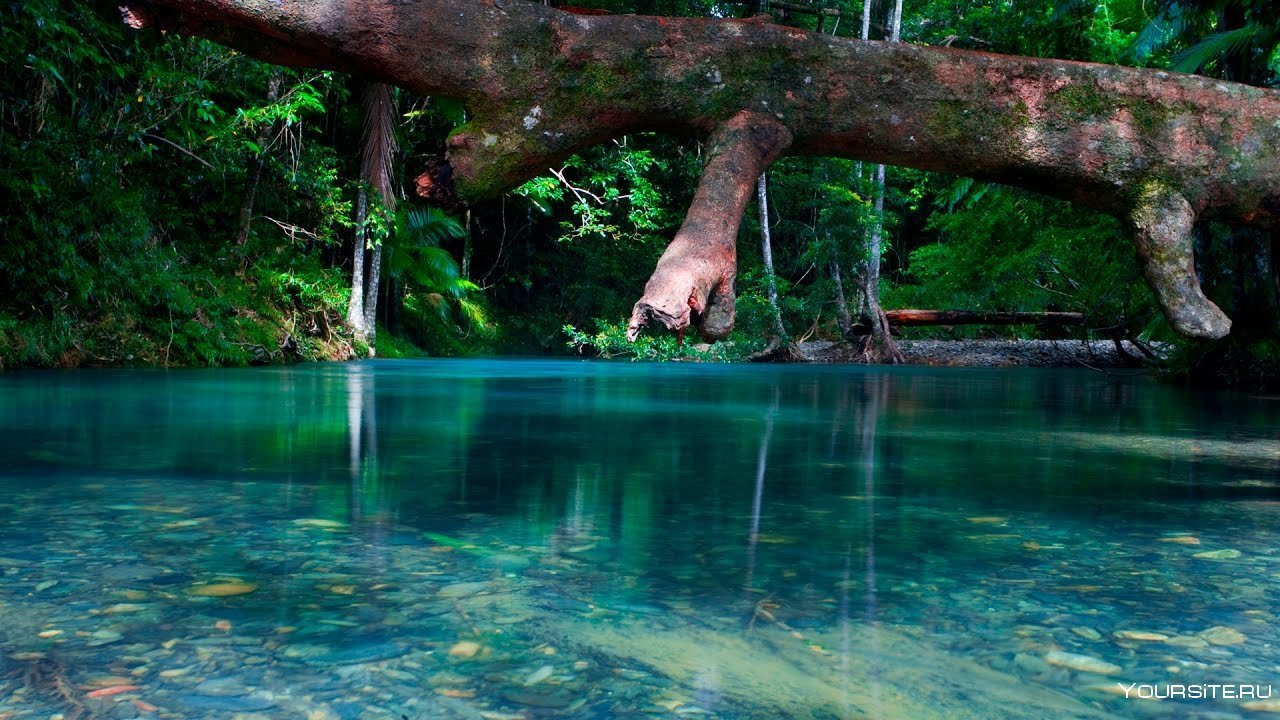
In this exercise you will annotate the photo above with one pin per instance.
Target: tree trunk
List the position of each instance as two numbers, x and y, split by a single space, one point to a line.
254 168
371 295
766 254
355 306
543 84
880 347
964 317
843 318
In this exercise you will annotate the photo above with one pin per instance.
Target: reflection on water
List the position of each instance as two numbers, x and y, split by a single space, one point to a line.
585 540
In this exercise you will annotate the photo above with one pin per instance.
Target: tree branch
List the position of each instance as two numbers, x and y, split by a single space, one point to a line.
693 283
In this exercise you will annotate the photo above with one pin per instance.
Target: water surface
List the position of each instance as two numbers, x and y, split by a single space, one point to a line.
526 539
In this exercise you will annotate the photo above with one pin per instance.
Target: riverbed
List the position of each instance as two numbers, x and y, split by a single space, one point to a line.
535 539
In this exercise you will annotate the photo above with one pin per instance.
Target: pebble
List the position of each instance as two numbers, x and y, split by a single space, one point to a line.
539 675
224 589
1087 633
251 703
104 637
1262 706
1081 663
1182 540
222 687
360 653
1187 641
319 523
1228 554
464 649
551 701
1141 635
463 589
120 608
1222 635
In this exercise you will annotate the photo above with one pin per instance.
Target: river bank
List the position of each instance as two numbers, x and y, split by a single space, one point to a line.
987 353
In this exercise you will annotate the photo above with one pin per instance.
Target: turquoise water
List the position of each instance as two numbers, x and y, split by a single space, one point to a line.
527 539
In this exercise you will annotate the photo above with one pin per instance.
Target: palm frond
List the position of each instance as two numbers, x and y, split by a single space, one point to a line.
1216 45
1164 27
431 226
379 143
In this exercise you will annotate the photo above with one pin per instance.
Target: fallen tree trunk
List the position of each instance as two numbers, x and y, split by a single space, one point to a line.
913 318
1159 150
924 318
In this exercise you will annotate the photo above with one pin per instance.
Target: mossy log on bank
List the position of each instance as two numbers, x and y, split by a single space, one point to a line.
1159 150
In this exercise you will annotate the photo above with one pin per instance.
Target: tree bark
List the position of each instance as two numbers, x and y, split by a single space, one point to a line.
543 84
963 317
694 281
371 295
843 318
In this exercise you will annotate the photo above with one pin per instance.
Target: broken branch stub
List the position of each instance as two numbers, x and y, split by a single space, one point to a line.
693 283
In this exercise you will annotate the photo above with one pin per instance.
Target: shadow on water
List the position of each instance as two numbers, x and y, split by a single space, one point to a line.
742 541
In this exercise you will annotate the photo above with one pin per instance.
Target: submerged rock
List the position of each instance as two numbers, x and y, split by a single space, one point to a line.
1227 554
1141 635
1222 635
218 703
360 653
1081 663
224 589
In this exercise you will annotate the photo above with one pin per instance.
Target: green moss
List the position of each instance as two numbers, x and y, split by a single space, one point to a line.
1083 101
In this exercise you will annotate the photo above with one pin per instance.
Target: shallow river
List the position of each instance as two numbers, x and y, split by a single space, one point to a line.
526 539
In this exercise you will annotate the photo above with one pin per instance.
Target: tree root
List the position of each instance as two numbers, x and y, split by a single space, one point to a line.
778 352
879 348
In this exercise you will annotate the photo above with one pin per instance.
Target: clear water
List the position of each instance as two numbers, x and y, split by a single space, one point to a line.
466 539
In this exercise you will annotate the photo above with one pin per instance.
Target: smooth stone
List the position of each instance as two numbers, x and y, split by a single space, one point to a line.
533 699
1087 633
120 608
222 687
104 637
319 523
1187 641
358 654
464 649
463 589
1081 663
225 589
539 675
1229 554
249 703
1222 635
1141 635
506 562
128 571
1030 663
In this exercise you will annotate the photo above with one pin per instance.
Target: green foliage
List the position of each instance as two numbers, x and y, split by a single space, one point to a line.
610 341
1001 249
